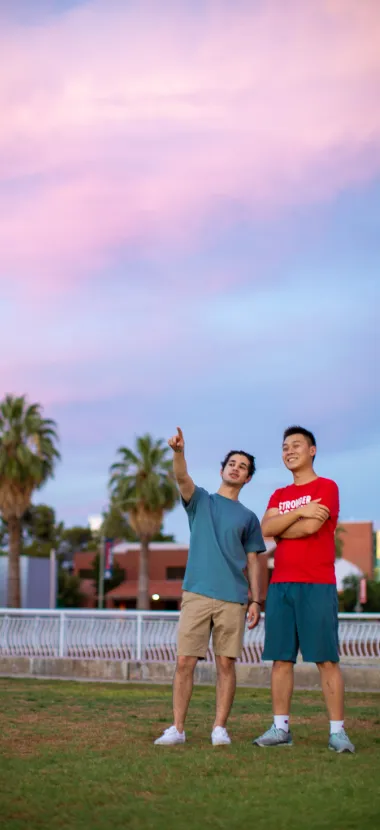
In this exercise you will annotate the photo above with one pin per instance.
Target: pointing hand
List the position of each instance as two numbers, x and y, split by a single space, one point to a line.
177 442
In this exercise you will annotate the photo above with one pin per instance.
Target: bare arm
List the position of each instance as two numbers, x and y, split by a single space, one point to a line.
254 573
277 524
184 481
303 528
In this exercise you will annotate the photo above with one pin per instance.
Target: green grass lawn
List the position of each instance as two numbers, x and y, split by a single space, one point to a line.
81 756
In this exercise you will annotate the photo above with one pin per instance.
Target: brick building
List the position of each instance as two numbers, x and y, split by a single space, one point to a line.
167 564
168 561
358 543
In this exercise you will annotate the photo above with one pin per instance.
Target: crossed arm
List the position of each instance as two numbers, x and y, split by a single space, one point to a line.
297 524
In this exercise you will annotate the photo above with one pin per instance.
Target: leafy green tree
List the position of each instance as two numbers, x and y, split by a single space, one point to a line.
77 538
28 454
339 542
373 597
116 579
115 526
4 537
69 594
142 486
163 537
40 524
350 593
40 530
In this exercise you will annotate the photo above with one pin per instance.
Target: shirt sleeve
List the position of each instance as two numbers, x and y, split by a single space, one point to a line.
329 496
254 542
274 500
191 506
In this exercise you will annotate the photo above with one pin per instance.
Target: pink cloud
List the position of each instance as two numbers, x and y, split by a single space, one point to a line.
137 126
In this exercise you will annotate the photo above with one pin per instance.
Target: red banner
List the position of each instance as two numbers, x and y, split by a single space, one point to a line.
108 557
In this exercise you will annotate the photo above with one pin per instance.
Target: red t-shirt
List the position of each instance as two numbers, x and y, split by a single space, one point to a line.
312 558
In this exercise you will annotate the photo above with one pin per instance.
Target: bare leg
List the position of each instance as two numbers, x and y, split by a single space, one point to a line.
282 686
182 689
225 688
333 689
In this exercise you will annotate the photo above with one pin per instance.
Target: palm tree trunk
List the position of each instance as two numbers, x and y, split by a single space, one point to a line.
143 598
14 591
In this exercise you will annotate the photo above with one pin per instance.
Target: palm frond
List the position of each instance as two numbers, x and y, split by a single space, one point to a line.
28 452
141 483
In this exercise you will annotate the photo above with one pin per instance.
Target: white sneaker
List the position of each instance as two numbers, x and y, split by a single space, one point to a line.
170 737
220 736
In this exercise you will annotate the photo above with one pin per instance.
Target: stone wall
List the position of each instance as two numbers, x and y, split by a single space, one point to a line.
364 678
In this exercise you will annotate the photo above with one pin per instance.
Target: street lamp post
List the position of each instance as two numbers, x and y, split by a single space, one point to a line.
101 575
95 523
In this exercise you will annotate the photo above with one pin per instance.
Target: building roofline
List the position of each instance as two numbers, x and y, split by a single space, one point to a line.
124 547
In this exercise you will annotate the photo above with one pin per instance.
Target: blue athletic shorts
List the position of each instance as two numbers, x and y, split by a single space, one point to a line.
301 616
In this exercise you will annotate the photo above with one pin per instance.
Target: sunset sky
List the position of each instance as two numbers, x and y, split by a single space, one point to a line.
190 234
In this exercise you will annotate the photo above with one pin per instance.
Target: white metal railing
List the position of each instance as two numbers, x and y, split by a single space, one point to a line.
144 635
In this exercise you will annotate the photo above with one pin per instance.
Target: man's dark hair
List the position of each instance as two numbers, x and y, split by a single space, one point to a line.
251 460
296 430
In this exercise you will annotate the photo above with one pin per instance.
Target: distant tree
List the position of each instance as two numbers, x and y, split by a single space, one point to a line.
69 593
40 530
163 537
28 454
142 485
40 524
339 542
4 536
349 595
77 538
373 597
115 526
116 579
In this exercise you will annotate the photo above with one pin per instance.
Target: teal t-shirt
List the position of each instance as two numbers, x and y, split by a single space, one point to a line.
222 532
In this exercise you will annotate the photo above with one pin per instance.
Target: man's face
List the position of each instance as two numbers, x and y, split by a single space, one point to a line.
236 470
297 452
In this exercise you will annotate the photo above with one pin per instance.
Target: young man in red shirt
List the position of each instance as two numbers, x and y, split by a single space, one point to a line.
301 610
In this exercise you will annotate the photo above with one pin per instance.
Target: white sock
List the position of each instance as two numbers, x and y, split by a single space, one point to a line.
282 722
336 726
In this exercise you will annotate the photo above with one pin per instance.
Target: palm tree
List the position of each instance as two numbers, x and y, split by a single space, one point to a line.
27 457
142 486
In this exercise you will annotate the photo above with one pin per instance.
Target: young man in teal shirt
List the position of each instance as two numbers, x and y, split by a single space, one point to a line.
225 540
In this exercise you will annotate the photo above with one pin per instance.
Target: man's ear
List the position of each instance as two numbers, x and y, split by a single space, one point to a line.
313 451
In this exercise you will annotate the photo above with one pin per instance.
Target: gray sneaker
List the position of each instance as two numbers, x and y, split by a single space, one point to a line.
340 742
274 737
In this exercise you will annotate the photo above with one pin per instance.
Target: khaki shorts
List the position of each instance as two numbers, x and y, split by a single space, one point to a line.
200 616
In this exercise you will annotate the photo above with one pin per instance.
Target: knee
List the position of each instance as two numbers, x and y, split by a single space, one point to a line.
225 665
328 667
186 664
283 666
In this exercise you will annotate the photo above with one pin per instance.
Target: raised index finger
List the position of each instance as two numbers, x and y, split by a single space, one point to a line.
180 433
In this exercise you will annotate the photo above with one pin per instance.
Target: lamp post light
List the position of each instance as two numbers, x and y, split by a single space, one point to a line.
95 523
